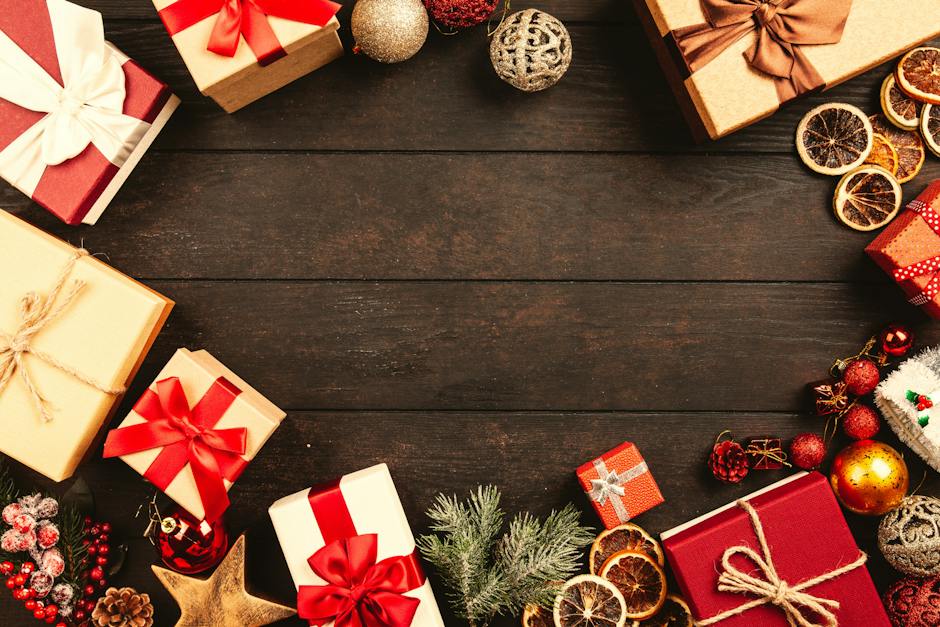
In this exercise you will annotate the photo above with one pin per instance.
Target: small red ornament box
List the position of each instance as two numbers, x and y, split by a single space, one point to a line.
909 250
619 485
807 537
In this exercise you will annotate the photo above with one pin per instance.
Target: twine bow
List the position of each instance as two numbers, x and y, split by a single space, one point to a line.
607 486
766 450
780 26
767 585
35 312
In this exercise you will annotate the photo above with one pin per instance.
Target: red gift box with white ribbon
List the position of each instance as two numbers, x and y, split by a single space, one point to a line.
619 485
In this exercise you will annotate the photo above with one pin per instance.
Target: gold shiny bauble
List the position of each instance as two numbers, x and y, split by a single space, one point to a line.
389 31
869 477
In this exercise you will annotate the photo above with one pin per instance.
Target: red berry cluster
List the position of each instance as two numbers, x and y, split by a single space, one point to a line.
923 402
17 584
97 543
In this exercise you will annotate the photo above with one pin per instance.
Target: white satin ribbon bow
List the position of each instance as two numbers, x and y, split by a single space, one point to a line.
87 110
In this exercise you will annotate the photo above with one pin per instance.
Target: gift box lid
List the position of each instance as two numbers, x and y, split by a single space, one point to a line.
807 536
921 375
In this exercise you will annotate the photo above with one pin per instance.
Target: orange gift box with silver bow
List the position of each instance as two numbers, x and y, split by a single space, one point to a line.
734 62
619 485
73 332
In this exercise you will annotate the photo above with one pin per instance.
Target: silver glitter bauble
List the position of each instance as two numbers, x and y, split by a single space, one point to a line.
909 537
389 31
531 50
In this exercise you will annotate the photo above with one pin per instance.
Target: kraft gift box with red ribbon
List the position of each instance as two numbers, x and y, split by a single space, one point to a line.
619 485
241 50
734 62
194 431
909 250
352 556
73 333
780 556
76 115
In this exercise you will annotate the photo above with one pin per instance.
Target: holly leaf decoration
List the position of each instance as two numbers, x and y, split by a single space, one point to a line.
79 497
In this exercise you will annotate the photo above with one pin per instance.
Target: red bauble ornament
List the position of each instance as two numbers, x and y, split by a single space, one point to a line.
913 602
728 461
807 451
861 377
861 422
896 340
189 546
460 13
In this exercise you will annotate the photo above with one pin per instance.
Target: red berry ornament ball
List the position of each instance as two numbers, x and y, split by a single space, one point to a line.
460 13
913 602
861 422
861 377
807 451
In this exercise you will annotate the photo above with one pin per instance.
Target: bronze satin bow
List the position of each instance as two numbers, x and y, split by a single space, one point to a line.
781 26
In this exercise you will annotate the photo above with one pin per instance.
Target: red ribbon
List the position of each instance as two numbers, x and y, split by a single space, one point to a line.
248 18
359 592
186 436
930 266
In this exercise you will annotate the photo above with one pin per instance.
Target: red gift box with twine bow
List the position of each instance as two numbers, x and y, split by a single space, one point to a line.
194 431
619 485
773 558
909 250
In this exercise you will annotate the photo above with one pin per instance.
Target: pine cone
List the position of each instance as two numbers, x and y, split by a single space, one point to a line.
728 461
123 608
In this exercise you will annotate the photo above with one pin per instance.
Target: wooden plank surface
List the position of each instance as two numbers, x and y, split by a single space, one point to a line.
474 285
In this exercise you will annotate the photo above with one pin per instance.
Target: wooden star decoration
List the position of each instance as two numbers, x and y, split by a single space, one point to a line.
221 600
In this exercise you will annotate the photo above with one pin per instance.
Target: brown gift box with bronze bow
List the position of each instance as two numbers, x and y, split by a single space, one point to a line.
734 62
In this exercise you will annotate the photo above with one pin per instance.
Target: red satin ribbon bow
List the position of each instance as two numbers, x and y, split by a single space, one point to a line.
248 18
929 266
781 27
360 592
186 436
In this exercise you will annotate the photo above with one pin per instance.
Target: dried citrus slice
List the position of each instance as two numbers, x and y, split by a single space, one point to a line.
918 74
834 138
626 537
640 580
900 109
674 613
930 128
589 601
907 144
867 198
537 616
883 154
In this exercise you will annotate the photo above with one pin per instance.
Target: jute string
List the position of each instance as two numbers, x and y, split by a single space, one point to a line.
35 312
771 588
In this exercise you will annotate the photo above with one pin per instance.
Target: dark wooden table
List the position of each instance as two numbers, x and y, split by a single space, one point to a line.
427 268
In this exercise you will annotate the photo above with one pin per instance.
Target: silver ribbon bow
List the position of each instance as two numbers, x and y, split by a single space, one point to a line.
603 488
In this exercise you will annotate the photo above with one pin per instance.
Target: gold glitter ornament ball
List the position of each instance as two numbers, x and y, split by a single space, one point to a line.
390 31
531 50
869 477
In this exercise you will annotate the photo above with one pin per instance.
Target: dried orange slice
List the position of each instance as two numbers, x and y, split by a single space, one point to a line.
907 144
640 580
883 154
867 198
674 613
834 138
930 128
918 74
589 601
537 616
626 537
900 109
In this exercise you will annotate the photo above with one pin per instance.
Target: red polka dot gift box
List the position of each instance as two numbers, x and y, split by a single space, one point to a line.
619 485
909 250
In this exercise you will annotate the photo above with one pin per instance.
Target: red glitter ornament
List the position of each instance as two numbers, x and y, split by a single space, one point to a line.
460 13
728 461
861 422
807 451
189 546
913 602
896 340
861 377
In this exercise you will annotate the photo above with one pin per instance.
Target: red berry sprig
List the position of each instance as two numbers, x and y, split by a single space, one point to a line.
923 402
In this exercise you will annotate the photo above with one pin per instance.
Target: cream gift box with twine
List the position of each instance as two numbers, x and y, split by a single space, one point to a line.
724 93
64 366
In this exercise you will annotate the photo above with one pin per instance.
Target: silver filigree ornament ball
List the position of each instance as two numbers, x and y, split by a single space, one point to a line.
909 537
531 50
390 31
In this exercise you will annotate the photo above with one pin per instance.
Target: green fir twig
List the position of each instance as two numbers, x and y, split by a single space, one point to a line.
74 551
